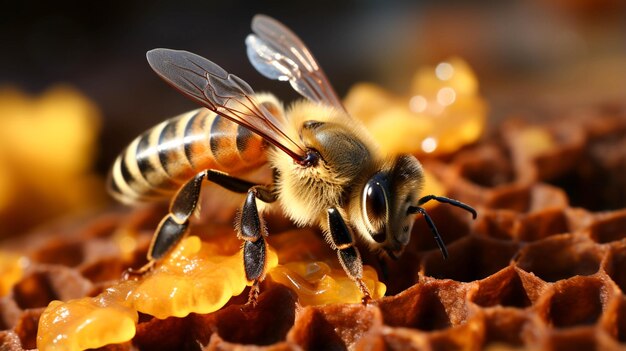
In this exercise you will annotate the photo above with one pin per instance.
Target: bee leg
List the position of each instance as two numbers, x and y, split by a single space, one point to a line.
174 225
252 230
169 232
342 240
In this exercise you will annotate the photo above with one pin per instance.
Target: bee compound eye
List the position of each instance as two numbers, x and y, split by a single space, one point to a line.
375 208
380 237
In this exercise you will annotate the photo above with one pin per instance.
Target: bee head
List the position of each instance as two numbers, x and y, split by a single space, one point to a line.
382 214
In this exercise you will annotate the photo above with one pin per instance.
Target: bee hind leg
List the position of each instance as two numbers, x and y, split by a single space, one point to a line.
349 256
252 230
173 226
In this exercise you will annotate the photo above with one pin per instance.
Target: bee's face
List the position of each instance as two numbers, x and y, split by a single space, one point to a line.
384 221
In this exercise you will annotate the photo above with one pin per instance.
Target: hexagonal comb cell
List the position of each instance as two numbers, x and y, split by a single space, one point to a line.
26 328
543 152
498 224
609 227
503 224
265 325
471 258
514 195
104 269
561 256
161 334
506 326
431 305
49 283
326 328
464 336
536 226
615 266
503 288
575 302
387 338
578 339
61 252
486 166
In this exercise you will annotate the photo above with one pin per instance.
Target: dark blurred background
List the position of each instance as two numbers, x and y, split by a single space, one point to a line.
530 56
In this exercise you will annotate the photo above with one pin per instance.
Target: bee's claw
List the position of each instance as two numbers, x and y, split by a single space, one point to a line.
253 295
131 273
367 297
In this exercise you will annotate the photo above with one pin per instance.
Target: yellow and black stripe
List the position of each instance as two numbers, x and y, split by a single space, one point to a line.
161 160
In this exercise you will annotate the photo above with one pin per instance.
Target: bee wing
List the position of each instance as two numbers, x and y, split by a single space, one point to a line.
225 94
277 53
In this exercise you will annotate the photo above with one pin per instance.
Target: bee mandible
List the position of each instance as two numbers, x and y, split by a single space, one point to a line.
328 170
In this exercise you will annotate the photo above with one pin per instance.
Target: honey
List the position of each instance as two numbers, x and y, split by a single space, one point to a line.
316 283
443 112
88 322
197 277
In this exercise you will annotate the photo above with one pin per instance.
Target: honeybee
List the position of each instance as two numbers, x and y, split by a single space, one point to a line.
328 170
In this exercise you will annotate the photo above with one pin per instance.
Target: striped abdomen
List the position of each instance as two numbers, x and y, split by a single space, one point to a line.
161 160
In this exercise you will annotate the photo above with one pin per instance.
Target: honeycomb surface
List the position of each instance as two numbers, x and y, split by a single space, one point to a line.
539 269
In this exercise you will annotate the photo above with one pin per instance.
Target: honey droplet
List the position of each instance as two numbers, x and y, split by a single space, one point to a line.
87 322
316 283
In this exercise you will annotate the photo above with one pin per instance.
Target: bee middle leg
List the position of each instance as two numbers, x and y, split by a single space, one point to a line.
349 256
251 229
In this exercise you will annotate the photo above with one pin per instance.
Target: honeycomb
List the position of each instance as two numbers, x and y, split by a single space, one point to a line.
535 271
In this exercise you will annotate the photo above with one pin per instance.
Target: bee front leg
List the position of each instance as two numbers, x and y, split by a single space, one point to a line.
251 228
349 256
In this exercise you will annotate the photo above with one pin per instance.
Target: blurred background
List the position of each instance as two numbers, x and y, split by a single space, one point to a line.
537 58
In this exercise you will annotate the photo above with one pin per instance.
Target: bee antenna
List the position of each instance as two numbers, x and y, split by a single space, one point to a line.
449 201
433 229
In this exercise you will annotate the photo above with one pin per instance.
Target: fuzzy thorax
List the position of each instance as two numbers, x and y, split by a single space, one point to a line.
345 150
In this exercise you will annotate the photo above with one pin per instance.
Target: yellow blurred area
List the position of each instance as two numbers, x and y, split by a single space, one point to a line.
47 148
443 112
536 140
